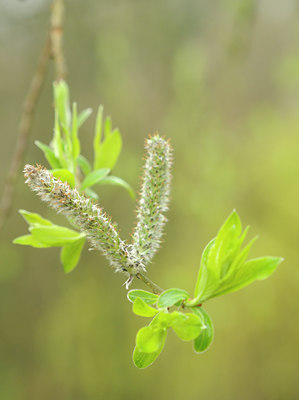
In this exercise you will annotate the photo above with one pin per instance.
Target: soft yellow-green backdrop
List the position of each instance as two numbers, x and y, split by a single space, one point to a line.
221 79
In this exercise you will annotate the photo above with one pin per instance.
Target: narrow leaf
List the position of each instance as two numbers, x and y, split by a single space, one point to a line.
49 154
115 181
98 136
29 240
76 148
170 297
94 177
34 219
84 165
83 116
54 235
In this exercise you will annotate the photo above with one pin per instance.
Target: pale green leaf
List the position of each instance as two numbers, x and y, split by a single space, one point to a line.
29 240
187 326
76 148
150 339
205 338
94 177
49 154
64 175
83 116
84 165
115 181
70 254
147 297
34 219
108 153
170 297
143 309
55 235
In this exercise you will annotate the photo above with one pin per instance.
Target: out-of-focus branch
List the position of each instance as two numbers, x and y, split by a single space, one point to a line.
52 48
56 34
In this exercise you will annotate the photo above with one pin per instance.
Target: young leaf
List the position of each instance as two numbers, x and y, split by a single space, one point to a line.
205 338
107 154
49 154
82 117
144 360
143 309
114 180
76 148
90 193
70 254
170 297
147 297
255 269
98 136
94 177
29 240
54 235
187 326
62 103
34 219
64 175
107 127
84 165
149 339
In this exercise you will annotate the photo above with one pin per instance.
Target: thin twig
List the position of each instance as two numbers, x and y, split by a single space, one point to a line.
56 33
52 47
155 288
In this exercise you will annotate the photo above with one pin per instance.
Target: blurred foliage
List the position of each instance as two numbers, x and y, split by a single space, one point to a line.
221 80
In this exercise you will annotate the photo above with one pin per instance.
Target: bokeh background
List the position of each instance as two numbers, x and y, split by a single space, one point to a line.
221 79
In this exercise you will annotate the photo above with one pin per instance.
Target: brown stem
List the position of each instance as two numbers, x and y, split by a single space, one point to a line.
52 47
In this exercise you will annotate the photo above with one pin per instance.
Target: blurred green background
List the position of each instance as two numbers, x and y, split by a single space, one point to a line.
221 79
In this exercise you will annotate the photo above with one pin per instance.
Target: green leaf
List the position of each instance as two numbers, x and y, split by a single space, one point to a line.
147 297
70 254
224 250
34 219
62 102
57 142
170 297
29 240
64 175
98 136
205 338
49 154
76 148
84 165
144 310
255 269
54 235
83 116
187 326
108 153
90 193
150 339
94 177
143 360
115 181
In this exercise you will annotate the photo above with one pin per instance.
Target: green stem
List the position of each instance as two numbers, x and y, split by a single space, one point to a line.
155 288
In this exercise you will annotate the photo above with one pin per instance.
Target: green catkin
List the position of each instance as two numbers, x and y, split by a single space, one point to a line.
96 224
154 199
81 212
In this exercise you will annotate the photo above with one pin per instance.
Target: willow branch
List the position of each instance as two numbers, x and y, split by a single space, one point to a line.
154 288
51 48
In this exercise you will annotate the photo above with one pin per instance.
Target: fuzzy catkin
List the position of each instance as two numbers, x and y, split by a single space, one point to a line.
154 199
96 224
81 212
